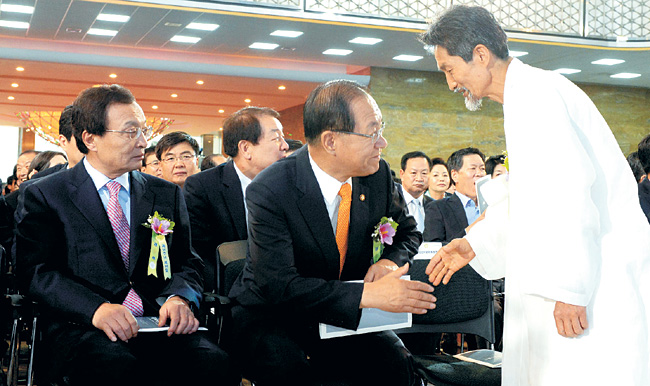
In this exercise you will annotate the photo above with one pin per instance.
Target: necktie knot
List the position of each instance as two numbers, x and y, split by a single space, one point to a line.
113 187
346 192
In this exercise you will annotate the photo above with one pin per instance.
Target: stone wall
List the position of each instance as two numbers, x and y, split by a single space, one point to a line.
422 114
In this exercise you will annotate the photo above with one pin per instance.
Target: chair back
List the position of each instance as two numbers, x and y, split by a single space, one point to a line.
232 255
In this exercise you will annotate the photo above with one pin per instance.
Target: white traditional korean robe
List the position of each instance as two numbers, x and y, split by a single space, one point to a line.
572 231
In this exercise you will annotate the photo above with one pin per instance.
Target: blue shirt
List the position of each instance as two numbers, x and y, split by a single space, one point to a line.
100 181
471 210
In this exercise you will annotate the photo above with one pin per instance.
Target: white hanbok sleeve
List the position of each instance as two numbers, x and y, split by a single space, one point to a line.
488 239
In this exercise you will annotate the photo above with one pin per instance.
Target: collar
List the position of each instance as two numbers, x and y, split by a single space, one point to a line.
245 181
329 185
99 179
464 199
408 198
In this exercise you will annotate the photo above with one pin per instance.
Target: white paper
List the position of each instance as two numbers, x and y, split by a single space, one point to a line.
427 250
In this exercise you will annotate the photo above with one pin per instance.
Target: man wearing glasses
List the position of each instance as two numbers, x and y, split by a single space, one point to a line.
178 153
311 217
84 256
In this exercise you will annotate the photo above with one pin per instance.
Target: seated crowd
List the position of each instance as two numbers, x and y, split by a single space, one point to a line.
81 225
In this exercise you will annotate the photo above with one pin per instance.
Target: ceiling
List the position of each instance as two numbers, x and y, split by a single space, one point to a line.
60 58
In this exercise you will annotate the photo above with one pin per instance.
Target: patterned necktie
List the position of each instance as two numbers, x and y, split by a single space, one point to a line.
343 223
123 235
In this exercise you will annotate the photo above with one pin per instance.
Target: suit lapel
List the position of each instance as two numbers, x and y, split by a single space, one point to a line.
458 211
84 196
234 199
142 200
359 218
312 207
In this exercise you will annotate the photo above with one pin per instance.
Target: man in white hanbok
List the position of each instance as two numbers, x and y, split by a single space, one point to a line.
579 269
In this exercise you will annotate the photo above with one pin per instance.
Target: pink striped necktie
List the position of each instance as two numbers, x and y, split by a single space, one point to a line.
123 235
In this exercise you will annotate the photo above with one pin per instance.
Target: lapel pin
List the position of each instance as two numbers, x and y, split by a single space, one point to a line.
362 197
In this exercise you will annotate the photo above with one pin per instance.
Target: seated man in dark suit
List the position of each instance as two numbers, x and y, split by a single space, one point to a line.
311 218
447 219
84 255
644 185
414 174
215 198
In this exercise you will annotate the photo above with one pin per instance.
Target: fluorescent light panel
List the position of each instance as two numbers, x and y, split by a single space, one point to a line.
567 71
407 58
286 33
14 24
113 17
263 46
366 41
608 62
516 54
102 32
203 26
336 51
185 39
16 8
625 75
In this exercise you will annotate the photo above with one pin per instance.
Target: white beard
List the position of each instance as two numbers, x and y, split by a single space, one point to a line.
471 102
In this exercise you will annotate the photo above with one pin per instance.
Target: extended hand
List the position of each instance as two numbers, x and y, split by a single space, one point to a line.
380 269
448 260
392 294
181 317
570 320
116 321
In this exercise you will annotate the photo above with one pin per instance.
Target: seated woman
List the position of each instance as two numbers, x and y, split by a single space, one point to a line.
439 181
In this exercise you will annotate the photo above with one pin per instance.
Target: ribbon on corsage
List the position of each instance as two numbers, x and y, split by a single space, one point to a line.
383 234
160 227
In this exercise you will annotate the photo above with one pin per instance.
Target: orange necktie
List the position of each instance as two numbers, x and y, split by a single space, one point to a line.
343 223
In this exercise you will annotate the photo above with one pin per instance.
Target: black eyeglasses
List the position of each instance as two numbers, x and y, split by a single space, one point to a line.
136 132
374 136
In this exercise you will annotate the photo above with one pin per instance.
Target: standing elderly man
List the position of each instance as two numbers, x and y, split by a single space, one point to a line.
311 219
578 269
84 254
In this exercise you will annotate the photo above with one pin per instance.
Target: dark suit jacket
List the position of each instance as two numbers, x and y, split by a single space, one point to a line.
644 197
444 220
216 207
293 262
68 258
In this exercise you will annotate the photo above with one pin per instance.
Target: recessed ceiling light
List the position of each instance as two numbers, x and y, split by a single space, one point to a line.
14 24
154 107
185 39
14 85
282 87
625 75
102 32
608 62
203 26
199 82
221 111
286 33
336 51
16 8
174 95
263 46
367 41
221 129
113 76
567 71
516 54
20 69
10 98
247 100
407 58
112 17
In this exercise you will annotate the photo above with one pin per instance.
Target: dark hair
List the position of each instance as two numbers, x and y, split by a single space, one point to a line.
644 153
244 125
461 28
328 108
92 104
42 160
294 144
15 173
414 154
172 139
29 151
66 121
147 151
438 161
493 161
455 160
